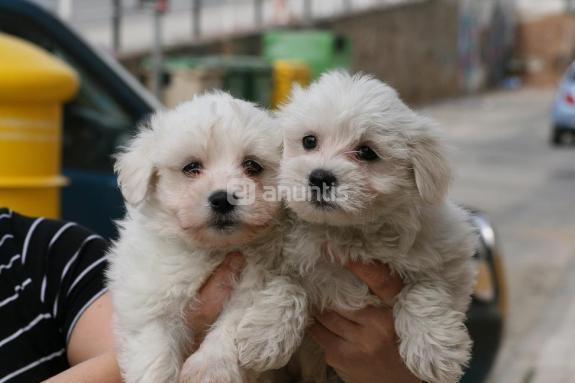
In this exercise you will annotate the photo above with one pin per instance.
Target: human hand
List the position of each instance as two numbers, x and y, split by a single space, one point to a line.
213 295
362 345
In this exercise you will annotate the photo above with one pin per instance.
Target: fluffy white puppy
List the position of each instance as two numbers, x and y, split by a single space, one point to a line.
367 179
193 180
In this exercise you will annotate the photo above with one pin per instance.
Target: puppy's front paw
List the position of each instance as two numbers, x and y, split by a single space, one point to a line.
436 354
269 334
201 368
260 354
439 363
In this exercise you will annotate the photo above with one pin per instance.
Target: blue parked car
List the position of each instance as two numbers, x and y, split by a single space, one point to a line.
564 109
107 110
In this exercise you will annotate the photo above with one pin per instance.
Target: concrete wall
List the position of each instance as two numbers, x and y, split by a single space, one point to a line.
545 47
427 49
412 47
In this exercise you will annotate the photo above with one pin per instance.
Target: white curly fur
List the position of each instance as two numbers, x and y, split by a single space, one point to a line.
395 212
169 245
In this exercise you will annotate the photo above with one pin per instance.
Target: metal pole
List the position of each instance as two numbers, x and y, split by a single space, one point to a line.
196 18
259 13
116 24
157 54
307 11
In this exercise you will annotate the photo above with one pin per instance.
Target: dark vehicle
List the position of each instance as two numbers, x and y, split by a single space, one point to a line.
486 315
107 109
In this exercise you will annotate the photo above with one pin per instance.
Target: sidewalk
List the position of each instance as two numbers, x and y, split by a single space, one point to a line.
547 354
556 359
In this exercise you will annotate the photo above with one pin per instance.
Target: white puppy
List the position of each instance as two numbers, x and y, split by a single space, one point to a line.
193 181
375 180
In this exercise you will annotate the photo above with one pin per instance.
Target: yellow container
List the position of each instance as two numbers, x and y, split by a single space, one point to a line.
33 87
286 74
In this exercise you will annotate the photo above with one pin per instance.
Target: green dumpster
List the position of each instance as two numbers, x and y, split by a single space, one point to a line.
321 50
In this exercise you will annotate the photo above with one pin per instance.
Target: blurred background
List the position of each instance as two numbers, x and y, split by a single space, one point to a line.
77 76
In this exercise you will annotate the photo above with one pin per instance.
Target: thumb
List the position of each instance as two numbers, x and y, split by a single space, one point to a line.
214 294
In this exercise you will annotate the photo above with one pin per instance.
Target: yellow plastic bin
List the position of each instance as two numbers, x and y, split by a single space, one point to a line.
33 87
286 74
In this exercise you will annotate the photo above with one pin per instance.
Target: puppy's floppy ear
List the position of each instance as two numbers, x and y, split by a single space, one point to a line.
430 167
134 167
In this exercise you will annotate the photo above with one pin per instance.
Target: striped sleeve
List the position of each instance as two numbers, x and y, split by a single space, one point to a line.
76 276
50 273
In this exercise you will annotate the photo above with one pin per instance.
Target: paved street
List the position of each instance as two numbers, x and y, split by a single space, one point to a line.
506 167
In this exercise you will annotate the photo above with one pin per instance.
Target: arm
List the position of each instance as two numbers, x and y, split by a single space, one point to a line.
362 346
91 348
99 369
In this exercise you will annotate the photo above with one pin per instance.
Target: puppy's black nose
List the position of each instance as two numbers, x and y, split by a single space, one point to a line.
221 202
323 179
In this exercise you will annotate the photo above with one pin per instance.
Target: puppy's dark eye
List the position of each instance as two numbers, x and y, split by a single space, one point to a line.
192 169
309 142
365 153
252 168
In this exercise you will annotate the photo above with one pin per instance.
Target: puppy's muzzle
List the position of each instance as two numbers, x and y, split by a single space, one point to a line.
323 179
322 184
222 202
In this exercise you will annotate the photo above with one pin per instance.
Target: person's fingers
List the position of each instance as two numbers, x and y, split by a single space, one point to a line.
379 278
215 292
324 338
370 319
362 316
337 351
337 324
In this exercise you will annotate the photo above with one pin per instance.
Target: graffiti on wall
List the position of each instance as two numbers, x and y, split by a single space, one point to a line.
485 41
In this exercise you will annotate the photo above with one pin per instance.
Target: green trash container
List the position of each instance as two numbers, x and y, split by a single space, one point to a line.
321 50
246 77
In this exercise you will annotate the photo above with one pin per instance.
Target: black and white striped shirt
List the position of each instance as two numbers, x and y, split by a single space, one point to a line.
50 272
